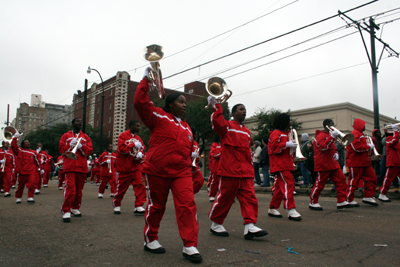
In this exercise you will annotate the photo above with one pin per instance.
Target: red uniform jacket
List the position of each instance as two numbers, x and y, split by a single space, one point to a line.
10 160
279 155
393 150
357 151
235 159
324 149
127 163
171 141
28 158
45 160
95 166
214 156
80 164
60 166
104 170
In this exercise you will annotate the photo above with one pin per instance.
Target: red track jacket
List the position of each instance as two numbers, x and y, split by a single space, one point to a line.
324 149
235 159
60 171
357 151
45 160
10 160
125 162
393 150
80 164
214 156
28 158
279 155
104 170
171 141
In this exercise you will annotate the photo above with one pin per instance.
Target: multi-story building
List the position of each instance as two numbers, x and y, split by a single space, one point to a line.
57 114
119 92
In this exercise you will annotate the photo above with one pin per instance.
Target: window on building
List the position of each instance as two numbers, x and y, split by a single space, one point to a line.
109 133
109 119
111 92
110 105
97 110
97 123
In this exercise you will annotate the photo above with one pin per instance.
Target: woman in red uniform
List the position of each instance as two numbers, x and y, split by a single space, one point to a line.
281 165
236 172
168 166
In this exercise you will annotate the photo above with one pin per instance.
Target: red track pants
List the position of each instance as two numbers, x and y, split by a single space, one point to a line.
391 173
228 189
74 183
185 208
30 181
5 180
337 177
107 179
365 173
61 178
123 182
198 180
38 180
46 177
213 185
13 179
283 190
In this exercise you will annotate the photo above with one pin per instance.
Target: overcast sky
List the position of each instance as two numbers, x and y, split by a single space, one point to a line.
46 47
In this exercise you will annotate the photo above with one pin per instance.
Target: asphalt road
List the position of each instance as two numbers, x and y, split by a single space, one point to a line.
34 234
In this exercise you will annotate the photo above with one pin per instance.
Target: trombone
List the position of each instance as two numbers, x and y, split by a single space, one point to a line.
72 154
373 154
295 152
342 138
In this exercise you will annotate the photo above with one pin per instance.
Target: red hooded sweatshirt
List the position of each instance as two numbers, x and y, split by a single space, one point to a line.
393 150
357 151
279 154
324 149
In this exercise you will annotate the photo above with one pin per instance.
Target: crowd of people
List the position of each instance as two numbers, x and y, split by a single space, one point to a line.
171 163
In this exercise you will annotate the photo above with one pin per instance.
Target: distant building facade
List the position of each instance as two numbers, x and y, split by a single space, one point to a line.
58 114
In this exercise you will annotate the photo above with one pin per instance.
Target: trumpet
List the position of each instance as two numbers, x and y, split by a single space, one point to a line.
72 154
60 164
373 154
342 138
218 88
109 165
389 127
194 159
295 152
153 54
4 163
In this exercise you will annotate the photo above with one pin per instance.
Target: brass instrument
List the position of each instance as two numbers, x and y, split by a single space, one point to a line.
72 154
218 88
342 138
389 127
153 54
134 150
194 159
4 163
109 165
60 164
373 154
295 152
7 133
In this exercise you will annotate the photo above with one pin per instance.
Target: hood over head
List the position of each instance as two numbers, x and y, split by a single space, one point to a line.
359 125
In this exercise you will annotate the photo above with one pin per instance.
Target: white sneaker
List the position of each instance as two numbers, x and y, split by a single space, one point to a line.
76 213
18 201
192 254
37 191
100 195
60 188
1 190
154 247
294 215
67 217
256 185
294 193
31 200
381 197
354 204
111 195
13 187
274 213
212 199
343 205
6 194
315 206
370 201
117 210
218 229
250 231
45 185
139 211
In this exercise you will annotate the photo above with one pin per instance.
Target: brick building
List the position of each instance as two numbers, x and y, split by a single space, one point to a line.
119 92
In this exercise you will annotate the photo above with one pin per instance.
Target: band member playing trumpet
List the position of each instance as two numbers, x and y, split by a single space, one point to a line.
168 167
392 162
28 167
130 154
213 160
360 166
282 166
7 165
61 174
107 171
75 170
236 171
40 173
327 166
198 179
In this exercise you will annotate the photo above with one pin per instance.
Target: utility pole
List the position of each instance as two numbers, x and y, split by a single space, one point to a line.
8 114
84 107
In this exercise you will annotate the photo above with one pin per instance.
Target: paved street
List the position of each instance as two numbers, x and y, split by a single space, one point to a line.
34 234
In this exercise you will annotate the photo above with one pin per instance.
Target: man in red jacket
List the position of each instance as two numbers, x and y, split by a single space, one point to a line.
282 166
360 166
130 153
7 165
392 162
75 170
213 157
28 166
107 171
327 166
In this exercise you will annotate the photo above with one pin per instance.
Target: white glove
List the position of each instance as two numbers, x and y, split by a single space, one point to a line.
41 172
336 156
195 154
139 155
146 72
16 135
108 161
138 145
73 142
211 100
371 146
335 133
2 161
395 127
291 144
38 150
79 146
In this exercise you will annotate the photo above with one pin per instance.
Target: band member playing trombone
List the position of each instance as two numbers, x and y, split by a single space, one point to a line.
75 169
130 153
282 166
107 171
327 166
236 172
7 165
360 166
392 161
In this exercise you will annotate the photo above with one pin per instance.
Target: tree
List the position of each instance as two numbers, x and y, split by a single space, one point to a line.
265 119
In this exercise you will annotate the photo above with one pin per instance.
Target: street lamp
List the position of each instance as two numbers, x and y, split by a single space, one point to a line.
102 109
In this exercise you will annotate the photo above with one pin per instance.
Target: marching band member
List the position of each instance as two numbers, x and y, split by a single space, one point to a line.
198 179
61 174
168 166
6 168
282 166
28 167
130 153
75 170
360 166
213 157
392 162
47 168
96 171
327 166
236 172
107 171
39 173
